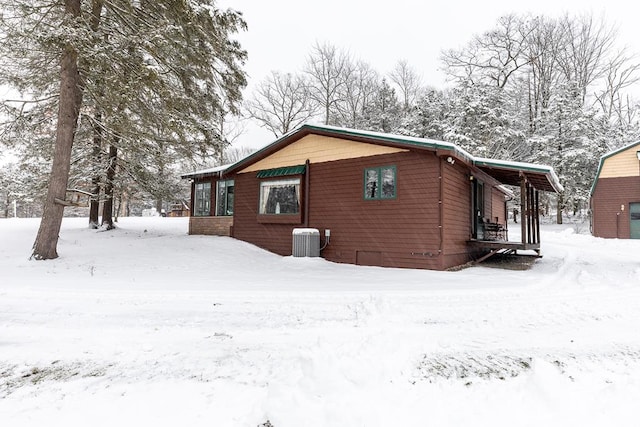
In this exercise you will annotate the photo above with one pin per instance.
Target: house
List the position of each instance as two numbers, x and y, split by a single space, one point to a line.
178 208
615 194
381 199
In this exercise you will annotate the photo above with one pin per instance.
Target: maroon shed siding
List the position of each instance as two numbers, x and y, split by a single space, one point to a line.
610 194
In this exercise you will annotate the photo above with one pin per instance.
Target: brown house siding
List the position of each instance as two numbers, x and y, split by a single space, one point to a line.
610 194
401 232
498 207
457 218
274 237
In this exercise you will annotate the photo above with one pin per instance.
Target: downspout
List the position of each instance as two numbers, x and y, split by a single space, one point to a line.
441 214
192 200
306 193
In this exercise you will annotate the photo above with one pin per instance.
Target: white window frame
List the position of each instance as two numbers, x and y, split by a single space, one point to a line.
265 189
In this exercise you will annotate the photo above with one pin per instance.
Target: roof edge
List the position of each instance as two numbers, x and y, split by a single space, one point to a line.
524 166
204 172
407 141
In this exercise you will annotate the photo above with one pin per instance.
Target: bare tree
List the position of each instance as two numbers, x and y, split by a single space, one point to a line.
582 56
408 82
494 56
621 73
358 94
329 70
543 72
281 103
235 154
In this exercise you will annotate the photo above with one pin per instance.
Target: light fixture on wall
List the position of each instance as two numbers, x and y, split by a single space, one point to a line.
452 160
638 154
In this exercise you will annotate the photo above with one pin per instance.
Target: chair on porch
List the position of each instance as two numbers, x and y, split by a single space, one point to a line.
494 231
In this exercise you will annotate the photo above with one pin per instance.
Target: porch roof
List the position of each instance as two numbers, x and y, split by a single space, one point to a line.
541 177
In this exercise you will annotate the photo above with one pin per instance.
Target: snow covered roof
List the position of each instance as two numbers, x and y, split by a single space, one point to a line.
507 172
542 177
205 172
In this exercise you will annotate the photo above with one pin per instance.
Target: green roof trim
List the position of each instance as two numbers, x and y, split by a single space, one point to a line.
407 141
400 141
285 171
605 157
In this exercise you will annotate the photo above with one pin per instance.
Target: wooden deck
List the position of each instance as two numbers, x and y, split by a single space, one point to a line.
503 247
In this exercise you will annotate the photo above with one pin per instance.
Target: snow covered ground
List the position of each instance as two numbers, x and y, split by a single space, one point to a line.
145 325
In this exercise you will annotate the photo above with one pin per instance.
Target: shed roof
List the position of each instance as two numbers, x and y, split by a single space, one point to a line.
507 172
607 156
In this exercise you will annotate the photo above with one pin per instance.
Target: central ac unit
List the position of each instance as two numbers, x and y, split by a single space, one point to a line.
306 242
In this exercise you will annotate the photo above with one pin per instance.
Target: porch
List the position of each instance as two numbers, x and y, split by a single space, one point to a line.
494 238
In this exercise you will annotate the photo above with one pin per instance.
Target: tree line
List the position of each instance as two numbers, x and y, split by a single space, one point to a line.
120 95
532 88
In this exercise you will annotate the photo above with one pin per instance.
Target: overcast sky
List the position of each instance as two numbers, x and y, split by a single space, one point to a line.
282 32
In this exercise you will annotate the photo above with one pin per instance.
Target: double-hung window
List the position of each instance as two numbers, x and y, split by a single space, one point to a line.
380 183
202 199
280 197
224 198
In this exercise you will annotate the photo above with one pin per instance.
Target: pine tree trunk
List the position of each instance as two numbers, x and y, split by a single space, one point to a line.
45 246
560 208
94 203
95 181
107 206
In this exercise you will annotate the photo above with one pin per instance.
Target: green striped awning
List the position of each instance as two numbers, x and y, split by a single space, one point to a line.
285 171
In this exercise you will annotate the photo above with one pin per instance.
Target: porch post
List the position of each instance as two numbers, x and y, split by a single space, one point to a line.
531 234
537 215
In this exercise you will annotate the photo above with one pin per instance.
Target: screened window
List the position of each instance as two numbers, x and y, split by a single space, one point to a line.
380 183
224 198
202 199
280 197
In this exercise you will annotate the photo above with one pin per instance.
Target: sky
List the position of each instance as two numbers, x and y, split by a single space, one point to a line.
281 33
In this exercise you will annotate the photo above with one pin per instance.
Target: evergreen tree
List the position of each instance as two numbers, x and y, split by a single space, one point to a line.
383 114
573 144
429 117
124 77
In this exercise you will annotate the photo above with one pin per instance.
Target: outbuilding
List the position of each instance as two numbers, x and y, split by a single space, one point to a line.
376 199
615 194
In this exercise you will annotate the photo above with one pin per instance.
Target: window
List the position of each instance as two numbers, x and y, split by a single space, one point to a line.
203 199
224 198
280 197
380 183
